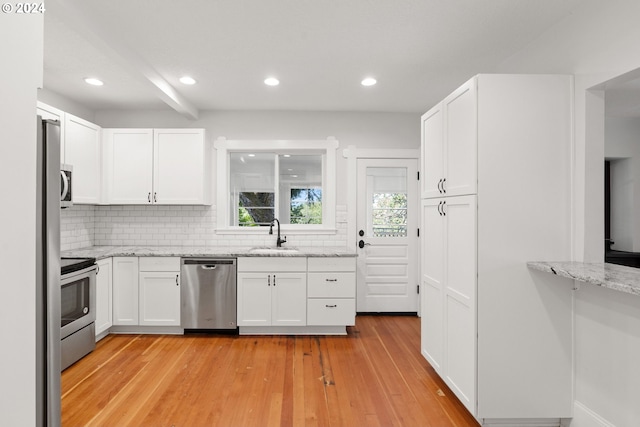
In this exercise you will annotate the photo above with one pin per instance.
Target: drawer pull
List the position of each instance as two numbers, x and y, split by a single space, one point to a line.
331 306
331 280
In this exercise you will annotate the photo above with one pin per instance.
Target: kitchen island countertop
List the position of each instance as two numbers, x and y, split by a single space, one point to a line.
100 252
611 276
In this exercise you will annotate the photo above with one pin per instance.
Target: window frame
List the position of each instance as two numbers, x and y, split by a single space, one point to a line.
329 149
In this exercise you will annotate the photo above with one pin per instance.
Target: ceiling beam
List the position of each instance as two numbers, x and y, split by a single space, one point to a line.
111 44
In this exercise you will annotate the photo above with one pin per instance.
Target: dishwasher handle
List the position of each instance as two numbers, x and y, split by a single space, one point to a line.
208 267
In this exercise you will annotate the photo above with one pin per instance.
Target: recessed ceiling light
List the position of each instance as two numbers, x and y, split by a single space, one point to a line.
271 81
186 80
93 81
287 155
252 155
369 81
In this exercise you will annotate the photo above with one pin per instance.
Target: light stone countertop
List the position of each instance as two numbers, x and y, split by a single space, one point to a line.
611 276
100 252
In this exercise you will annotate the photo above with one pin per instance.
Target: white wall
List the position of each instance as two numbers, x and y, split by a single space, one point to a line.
20 75
65 104
596 44
622 148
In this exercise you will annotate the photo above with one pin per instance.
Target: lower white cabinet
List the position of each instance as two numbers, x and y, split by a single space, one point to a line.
272 291
331 291
104 296
146 291
125 291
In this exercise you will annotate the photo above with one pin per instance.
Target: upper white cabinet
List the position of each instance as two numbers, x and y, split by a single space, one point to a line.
83 152
496 159
128 174
156 166
449 135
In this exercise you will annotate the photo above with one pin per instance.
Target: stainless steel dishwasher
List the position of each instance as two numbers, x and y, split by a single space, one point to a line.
208 293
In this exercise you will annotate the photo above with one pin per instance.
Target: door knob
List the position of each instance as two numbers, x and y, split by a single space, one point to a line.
362 244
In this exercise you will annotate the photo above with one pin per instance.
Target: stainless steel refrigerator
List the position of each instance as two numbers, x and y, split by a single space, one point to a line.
48 275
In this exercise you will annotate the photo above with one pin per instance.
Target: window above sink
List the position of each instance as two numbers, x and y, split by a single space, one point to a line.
291 180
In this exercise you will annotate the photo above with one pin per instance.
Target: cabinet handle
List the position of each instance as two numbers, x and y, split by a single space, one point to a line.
97 270
149 197
274 280
155 199
331 306
331 280
439 189
177 284
444 190
444 204
439 208
269 280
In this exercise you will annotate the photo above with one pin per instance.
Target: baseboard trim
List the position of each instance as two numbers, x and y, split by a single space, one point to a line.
524 422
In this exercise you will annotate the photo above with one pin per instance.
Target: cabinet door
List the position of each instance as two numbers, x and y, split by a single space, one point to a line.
83 152
179 166
254 299
104 296
432 152
289 299
432 286
460 321
125 290
461 135
159 298
129 165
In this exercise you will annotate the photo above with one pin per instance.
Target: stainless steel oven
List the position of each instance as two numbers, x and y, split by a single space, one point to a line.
77 308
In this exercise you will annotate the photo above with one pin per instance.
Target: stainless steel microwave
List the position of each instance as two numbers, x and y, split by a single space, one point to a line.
66 174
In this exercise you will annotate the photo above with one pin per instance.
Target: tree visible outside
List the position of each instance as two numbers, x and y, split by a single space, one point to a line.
255 209
306 206
389 215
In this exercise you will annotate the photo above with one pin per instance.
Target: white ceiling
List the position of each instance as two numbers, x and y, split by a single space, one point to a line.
418 50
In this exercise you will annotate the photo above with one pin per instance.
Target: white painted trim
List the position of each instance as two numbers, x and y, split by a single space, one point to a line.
329 146
585 417
521 422
263 230
383 153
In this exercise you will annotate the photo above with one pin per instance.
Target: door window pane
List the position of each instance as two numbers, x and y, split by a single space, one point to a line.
387 190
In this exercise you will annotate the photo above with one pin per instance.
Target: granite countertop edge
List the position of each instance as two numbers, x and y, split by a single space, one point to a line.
101 252
611 276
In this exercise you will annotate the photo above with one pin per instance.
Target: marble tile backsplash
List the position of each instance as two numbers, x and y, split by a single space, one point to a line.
171 226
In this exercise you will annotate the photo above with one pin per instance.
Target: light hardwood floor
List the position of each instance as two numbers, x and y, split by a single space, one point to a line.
374 376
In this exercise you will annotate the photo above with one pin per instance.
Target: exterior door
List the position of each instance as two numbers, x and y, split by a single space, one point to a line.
387 219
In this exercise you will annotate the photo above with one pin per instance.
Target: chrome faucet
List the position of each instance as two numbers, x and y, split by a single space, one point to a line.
279 241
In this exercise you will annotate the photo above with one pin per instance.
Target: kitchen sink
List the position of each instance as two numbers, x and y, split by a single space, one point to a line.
266 250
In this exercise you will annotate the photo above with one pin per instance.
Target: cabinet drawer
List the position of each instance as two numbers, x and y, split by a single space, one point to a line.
272 264
331 312
163 263
332 285
332 264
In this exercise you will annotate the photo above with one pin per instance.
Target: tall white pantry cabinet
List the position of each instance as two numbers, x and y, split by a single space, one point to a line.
496 164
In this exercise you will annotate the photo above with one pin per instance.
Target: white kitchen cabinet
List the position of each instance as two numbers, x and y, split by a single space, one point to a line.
449 292
83 151
449 138
104 296
159 296
272 291
47 112
146 291
157 166
125 291
331 291
499 336
180 166
128 166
